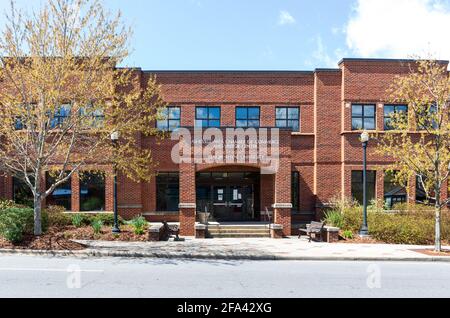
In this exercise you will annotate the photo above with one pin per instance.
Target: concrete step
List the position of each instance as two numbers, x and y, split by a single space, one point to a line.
240 235
238 230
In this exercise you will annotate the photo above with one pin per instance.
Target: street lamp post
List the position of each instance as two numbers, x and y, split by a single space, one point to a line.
116 230
364 231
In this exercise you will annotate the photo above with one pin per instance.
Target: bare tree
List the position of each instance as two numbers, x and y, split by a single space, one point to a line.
419 140
62 96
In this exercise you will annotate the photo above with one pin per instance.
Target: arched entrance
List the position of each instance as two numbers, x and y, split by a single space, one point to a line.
229 194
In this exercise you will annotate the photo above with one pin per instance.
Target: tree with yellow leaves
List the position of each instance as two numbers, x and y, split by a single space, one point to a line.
419 140
62 96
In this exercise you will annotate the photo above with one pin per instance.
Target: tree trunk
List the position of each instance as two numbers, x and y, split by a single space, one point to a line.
437 229
37 215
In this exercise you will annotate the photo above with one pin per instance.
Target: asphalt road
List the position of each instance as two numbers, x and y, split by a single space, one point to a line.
32 276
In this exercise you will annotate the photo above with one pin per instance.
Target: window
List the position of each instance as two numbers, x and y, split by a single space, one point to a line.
393 193
393 109
247 117
427 118
62 195
363 117
92 191
207 117
92 117
295 193
170 119
167 191
288 117
60 116
421 194
22 193
357 186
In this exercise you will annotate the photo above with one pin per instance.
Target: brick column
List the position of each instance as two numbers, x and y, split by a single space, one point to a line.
379 185
187 199
109 190
283 205
75 185
411 190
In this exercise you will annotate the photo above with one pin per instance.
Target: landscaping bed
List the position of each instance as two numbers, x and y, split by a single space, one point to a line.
60 229
53 239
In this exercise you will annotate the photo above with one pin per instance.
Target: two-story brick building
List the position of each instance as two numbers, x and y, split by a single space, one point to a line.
321 115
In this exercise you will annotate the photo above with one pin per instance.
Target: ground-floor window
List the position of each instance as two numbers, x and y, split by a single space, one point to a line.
62 195
421 195
167 191
295 191
393 193
92 191
357 185
21 192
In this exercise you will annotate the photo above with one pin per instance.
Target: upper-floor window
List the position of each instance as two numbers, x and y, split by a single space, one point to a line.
247 117
363 117
288 117
61 114
207 117
169 119
426 117
389 110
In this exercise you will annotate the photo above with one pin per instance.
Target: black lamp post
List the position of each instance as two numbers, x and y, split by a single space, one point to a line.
116 230
364 231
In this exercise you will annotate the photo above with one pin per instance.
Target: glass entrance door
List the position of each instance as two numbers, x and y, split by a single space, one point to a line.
233 203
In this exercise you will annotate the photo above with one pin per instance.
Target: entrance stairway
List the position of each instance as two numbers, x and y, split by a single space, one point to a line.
238 230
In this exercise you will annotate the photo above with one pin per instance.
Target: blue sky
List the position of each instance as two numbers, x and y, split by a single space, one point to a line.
278 34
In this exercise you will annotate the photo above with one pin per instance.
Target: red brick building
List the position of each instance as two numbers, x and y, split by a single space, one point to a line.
321 114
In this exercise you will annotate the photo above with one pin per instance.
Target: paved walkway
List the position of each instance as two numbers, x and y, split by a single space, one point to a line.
249 249
262 249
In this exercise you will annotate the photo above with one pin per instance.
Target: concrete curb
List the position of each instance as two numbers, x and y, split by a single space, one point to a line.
133 254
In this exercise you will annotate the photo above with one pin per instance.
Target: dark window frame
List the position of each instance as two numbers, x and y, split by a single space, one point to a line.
208 119
287 119
168 120
166 184
59 118
82 197
387 116
68 183
360 183
363 117
247 119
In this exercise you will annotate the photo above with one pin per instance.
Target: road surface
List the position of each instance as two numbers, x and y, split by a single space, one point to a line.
35 276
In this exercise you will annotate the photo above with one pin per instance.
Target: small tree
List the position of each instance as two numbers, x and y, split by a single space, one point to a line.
62 96
419 140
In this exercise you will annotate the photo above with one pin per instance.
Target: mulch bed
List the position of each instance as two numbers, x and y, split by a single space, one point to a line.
87 233
53 239
60 238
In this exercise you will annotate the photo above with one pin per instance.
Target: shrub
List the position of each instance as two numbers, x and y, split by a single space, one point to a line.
56 216
334 218
97 226
15 222
108 219
7 204
408 224
348 235
77 220
139 224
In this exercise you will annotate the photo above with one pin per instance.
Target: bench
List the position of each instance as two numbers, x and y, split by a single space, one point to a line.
170 230
313 228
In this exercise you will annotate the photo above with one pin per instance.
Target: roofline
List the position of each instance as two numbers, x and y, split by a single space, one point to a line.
386 60
228 71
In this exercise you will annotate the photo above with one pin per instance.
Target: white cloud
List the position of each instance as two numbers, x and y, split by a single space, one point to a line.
400 28
322 57
285 18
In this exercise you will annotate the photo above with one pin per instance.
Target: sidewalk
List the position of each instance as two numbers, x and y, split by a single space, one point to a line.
251 249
